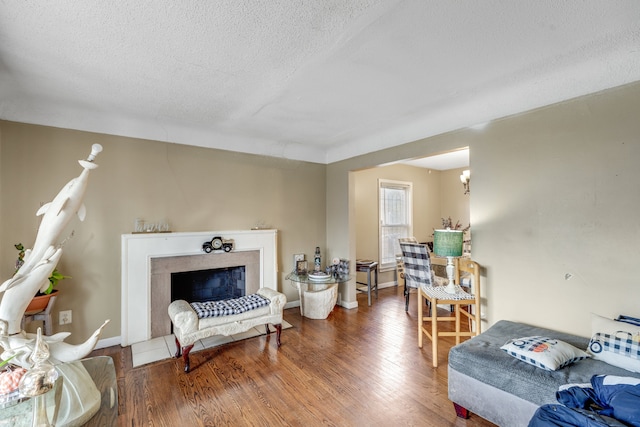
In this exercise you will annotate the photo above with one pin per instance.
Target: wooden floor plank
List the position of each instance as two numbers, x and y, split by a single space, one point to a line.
357 367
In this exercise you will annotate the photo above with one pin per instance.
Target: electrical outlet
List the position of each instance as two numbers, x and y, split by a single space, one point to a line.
65 317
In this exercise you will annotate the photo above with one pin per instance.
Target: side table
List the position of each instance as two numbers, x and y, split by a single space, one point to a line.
366 266
317 298
101 371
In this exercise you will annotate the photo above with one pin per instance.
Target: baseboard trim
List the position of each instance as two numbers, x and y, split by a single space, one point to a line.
108 342
292 304
349 305
387 285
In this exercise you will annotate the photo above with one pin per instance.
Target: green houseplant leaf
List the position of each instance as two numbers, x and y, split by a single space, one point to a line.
55 277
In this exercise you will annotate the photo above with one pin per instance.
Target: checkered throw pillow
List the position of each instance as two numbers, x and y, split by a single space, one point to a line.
229 306
616 343
621 349
547 353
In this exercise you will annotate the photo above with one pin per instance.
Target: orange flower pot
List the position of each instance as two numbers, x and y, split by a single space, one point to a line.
39 303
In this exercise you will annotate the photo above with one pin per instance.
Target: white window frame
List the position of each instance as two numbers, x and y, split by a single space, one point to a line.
389 233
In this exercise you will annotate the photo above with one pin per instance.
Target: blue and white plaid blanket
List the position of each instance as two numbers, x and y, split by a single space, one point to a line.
229 306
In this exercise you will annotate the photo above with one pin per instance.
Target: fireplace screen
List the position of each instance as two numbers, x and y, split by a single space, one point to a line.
208 285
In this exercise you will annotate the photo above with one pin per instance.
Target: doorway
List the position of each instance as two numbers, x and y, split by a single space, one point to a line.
437 194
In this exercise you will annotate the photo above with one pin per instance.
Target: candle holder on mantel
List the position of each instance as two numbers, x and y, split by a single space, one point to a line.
141 226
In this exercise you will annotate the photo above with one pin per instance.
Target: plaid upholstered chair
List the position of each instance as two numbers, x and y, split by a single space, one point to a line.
400 270
416 267
413 284
418 274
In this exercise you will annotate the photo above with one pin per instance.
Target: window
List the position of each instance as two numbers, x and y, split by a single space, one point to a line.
396 221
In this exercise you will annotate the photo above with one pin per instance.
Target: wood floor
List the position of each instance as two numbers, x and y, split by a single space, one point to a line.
359 367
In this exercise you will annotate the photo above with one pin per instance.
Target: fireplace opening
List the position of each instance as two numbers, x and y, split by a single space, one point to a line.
160 280
208 285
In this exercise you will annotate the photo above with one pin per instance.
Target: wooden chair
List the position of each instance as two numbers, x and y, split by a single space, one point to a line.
367 266
465 267
417 264
400 270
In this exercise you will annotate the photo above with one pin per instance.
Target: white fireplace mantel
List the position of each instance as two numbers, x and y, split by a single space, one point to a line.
138 249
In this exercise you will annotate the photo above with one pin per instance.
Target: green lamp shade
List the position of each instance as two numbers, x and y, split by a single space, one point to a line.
447 242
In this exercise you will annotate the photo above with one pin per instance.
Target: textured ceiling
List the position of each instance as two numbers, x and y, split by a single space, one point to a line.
318 80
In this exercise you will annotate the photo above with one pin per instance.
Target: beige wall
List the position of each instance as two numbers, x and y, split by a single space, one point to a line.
196 189
553 191
556 192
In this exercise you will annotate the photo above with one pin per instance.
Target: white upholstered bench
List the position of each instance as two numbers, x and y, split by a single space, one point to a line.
188 328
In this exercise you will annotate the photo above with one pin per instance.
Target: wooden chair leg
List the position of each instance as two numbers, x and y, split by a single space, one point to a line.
376 280
434 331
369 287
420 318
406 297
185 357
178 348
278 332
458 325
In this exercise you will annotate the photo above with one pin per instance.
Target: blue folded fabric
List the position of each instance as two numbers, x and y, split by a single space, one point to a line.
561 416
610 401
628 319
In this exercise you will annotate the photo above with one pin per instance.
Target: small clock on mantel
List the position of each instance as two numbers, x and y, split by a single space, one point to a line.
218 243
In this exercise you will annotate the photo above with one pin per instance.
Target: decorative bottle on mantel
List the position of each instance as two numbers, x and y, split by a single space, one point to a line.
317 260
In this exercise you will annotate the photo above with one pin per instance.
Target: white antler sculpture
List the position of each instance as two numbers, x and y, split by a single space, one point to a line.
33 275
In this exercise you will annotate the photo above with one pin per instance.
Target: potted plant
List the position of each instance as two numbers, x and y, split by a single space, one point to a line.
448 223
41 299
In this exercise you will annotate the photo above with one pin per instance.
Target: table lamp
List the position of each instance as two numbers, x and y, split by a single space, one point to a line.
448 243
